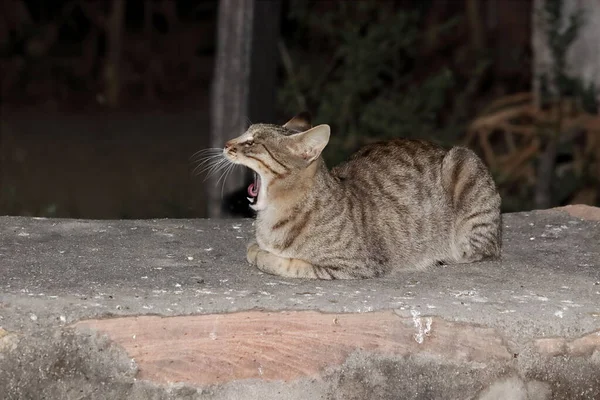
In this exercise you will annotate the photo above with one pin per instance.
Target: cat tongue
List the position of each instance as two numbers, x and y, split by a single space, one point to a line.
254 187
253 190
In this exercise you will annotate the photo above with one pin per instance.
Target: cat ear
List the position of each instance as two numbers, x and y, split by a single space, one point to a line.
312 142
300 123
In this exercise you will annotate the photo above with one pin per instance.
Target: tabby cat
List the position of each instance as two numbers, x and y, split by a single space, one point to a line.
395 205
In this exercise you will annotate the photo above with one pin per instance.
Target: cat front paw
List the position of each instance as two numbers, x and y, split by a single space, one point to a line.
252 252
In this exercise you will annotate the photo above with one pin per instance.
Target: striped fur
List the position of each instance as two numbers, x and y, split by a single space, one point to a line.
394 205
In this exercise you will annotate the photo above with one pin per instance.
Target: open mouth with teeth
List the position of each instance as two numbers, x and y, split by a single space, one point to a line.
254 189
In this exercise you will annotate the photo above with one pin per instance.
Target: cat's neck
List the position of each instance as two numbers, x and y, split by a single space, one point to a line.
287 195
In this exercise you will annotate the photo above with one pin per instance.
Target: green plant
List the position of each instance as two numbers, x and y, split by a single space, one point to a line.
370 87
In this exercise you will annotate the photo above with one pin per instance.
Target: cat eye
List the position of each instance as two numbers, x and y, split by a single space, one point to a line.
248 143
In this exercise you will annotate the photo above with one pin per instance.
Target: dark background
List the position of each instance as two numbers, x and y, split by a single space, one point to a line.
70 147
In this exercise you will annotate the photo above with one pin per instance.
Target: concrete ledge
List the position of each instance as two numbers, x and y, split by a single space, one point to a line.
169 309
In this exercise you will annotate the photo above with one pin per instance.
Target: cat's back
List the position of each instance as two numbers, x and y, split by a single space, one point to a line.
395 191
421 203
404 158
397 181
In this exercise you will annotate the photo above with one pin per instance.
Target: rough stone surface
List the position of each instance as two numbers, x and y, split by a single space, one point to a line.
83 307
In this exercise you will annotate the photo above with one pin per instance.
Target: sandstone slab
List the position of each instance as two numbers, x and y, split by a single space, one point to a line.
284 346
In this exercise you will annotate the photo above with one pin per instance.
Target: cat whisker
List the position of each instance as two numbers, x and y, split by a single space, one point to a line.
205 152
207 159
208 149
225 169
203 158
199 169
215 168
221 176
220 166
211 167
227 172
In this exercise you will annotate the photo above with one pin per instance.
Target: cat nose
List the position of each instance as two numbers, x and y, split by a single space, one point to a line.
230 147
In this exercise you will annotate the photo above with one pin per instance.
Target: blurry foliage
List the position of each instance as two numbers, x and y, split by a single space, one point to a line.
545 154
53 52
366 82
558 83
371 71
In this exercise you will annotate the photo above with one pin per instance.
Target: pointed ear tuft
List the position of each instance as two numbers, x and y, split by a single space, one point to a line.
300 123
312 142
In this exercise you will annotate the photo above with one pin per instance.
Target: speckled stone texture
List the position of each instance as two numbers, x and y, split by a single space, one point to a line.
169 309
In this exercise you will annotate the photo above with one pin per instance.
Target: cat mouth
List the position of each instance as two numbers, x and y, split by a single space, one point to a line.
254 189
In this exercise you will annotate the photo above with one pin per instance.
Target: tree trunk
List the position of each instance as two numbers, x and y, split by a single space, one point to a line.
245 68
582 61
230 91
583 56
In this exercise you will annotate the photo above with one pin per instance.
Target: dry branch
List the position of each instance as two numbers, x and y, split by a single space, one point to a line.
514 154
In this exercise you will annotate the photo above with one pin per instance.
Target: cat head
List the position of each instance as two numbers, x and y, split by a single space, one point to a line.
277 153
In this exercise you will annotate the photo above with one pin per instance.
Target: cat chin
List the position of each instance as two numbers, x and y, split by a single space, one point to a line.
261 202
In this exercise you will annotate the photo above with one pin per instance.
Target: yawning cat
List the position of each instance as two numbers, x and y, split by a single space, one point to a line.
395 205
